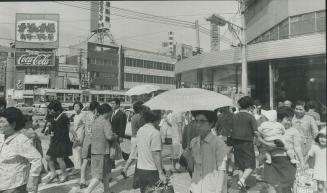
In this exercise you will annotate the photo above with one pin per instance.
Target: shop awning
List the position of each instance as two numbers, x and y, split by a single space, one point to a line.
73 81
36 79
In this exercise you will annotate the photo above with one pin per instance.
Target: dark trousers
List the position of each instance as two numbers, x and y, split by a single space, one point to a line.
147 178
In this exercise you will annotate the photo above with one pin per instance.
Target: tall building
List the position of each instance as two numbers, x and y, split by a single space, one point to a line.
68 73
144 67
36 43
285 52
169 47
98 64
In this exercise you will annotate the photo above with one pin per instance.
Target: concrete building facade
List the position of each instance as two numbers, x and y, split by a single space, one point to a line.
144 67
285 51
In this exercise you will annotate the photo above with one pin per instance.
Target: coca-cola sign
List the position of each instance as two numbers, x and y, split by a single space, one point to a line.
34 60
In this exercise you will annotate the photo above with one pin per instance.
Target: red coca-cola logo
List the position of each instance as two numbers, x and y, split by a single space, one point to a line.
35 60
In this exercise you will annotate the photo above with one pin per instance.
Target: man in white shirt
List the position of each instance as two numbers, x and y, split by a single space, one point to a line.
149 147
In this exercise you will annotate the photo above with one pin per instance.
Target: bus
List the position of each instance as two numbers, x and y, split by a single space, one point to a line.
68 96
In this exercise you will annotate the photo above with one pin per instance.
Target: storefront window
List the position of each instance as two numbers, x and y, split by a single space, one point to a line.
274 33
265 36
303 24
321 21
284 29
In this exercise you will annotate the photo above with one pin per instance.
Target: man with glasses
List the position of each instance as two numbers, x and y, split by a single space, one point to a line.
209 153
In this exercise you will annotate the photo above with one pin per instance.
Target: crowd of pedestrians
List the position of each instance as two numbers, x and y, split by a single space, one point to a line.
203 142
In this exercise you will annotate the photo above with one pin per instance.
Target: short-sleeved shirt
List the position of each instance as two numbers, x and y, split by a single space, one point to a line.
210 155
244 126
320 162
148 139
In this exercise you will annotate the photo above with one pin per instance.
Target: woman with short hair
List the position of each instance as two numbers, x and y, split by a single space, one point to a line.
244 129
20 162
102 137
149 148
78 127
209 153
60 145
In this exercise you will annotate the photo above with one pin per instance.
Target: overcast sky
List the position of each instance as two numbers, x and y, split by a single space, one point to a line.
75 22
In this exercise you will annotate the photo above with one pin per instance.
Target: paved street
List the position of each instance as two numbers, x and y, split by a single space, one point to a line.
180 181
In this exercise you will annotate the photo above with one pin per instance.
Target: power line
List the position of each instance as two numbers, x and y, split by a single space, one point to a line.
141 16
146 15
203 30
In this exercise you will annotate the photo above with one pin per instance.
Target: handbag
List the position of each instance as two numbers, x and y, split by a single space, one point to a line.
115 151
304 182
128 130
160 187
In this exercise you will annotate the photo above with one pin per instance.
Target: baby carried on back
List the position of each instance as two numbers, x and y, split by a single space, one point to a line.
272 133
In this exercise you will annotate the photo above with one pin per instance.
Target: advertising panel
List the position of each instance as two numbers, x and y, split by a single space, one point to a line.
214 33
40 59
37 30
100 15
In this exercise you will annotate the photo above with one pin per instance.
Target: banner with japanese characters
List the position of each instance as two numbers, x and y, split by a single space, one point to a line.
37 30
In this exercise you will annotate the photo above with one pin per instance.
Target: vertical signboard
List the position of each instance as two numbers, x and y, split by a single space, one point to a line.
37 30
100 15
214 36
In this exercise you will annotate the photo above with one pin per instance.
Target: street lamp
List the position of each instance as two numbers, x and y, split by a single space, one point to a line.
216 19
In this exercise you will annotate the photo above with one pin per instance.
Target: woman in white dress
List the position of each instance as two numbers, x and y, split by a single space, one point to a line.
78 127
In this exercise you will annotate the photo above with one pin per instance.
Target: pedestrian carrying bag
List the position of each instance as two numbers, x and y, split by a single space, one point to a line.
161 187
115 151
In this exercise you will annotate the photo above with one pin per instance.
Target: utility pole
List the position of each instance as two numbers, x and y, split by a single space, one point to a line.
243 44
197 33
80 66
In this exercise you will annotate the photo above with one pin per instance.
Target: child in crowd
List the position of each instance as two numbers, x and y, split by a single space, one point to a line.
318 151
272 133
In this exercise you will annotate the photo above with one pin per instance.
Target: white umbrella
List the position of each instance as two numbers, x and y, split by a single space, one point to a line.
142 89
188 99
